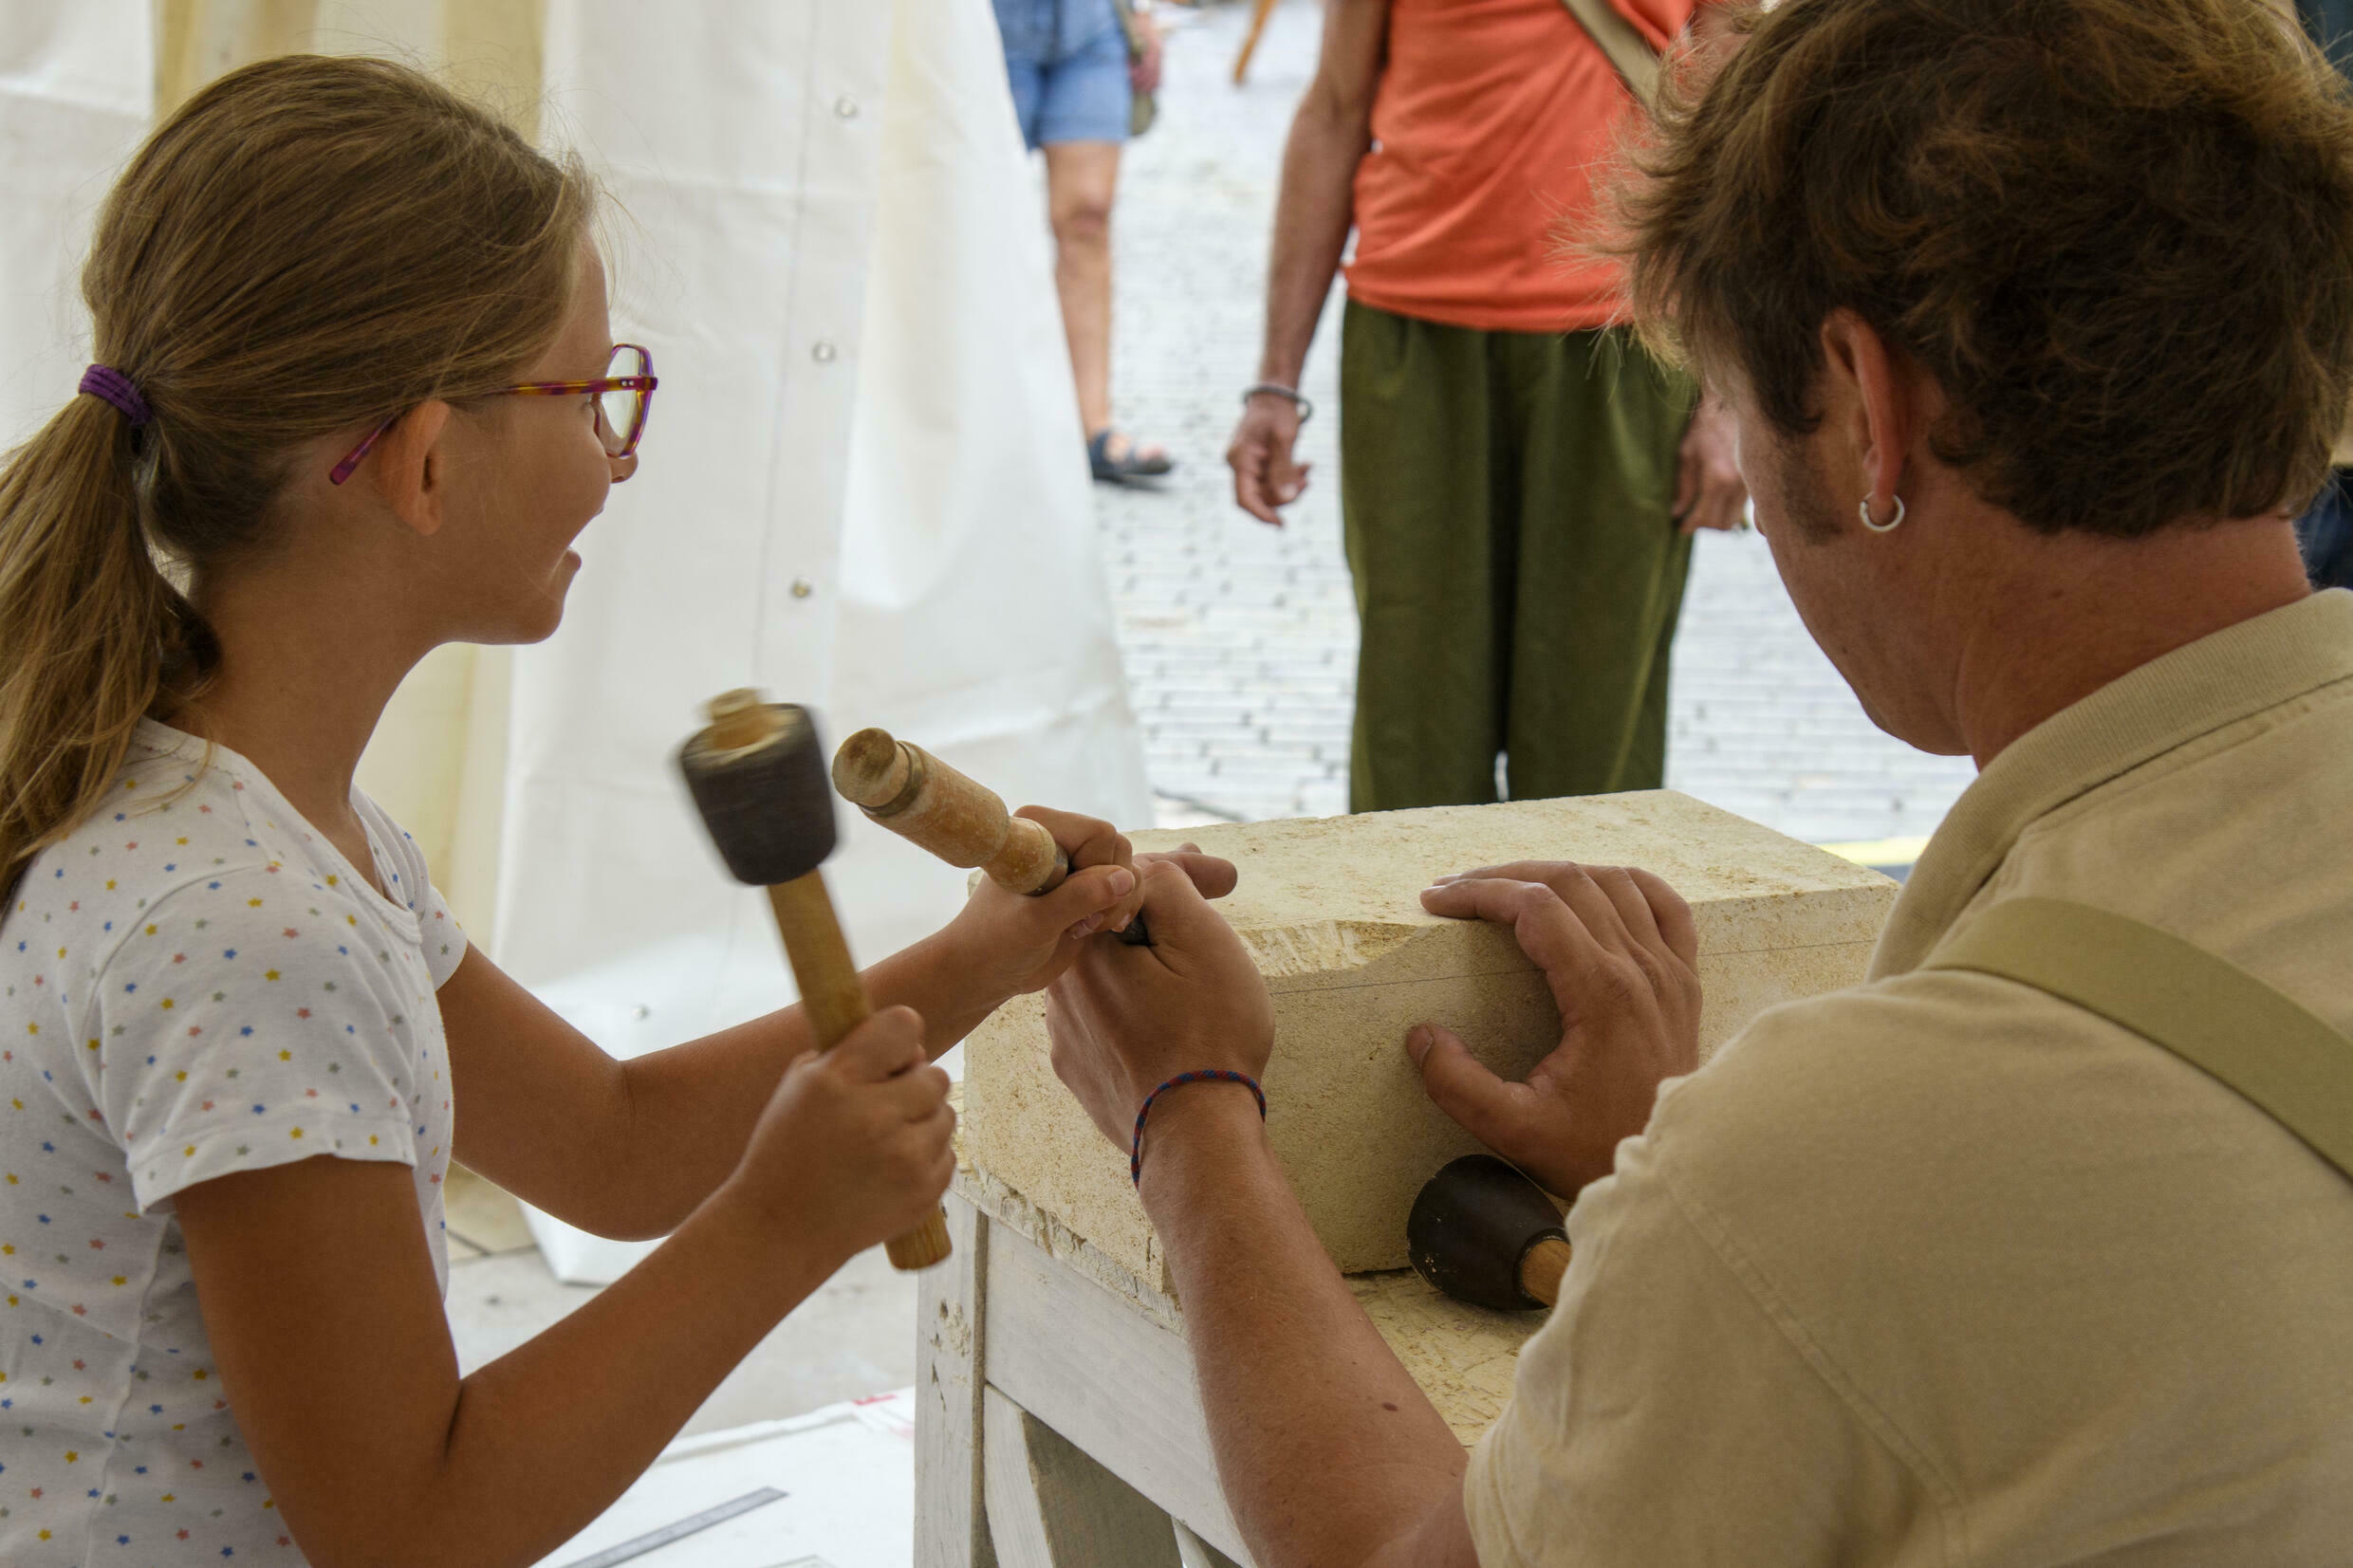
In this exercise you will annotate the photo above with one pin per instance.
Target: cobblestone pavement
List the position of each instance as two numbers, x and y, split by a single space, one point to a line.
1240 640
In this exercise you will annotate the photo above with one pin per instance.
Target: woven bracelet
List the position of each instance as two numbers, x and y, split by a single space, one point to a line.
1205 1075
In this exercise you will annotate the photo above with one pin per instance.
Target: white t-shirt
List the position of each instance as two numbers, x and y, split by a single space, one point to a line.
195 982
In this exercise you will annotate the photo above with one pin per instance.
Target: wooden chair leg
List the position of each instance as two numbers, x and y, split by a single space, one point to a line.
1260 11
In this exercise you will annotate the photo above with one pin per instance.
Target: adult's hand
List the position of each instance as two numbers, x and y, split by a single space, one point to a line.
1295 1380
1264 476
1620 952
1709 492
1125 1019
1005 943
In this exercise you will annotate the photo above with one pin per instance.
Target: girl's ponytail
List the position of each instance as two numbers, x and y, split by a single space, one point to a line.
92 625
305 247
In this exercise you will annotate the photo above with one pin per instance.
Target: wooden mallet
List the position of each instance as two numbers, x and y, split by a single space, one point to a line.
758 777
916 796
1484 1233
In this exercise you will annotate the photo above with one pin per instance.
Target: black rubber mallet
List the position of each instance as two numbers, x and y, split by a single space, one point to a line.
758 777
1484 1233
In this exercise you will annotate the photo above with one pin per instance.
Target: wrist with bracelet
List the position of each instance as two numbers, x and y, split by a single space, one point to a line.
1275 389
1204 1074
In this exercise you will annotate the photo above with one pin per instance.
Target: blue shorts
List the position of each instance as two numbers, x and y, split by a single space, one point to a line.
1068 63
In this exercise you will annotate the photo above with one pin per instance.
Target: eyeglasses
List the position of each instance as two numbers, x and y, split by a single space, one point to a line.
623 396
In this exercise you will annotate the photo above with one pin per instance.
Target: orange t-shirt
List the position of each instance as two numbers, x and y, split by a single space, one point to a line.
1489 124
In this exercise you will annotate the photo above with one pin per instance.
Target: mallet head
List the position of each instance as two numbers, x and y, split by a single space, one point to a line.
758 777
1472 1226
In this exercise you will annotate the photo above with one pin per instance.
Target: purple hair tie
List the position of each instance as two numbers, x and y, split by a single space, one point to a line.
107 383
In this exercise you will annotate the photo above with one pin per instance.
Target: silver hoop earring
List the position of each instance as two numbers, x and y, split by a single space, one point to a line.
1890 526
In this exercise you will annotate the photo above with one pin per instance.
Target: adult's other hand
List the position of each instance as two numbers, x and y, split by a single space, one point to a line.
1125 1019
1264 476
1618 949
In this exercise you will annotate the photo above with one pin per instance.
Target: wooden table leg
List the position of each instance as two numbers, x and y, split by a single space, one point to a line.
951 1520
1259 13
1051 1507
1119 1385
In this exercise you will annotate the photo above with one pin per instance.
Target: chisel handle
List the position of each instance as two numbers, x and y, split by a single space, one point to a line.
935 806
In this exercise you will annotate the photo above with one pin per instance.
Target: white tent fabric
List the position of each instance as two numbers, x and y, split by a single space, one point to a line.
75 81
863 491
862 488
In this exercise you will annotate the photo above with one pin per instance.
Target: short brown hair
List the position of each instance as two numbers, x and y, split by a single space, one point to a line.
2117 232
307 246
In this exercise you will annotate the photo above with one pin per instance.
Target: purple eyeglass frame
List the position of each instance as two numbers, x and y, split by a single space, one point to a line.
645 383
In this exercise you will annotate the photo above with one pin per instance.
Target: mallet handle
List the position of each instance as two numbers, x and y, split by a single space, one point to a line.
831 993
1541 1267
834 1001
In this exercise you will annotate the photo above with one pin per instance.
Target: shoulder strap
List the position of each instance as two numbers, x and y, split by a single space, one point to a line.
2200 1006
1628 49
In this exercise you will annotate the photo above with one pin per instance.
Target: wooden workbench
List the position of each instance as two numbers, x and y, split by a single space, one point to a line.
1059 1425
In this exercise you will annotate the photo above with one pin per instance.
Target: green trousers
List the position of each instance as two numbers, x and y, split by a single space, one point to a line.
1505 498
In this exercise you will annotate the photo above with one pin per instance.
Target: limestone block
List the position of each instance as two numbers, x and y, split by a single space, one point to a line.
1330 910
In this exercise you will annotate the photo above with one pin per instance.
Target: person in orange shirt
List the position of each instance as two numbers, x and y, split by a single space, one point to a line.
1519 478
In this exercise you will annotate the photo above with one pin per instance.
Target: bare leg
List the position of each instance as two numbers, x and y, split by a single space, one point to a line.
1080 180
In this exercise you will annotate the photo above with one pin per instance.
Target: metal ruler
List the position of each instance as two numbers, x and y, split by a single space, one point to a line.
653 1539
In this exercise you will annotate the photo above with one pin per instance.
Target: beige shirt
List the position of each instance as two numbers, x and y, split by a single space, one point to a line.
1941 1270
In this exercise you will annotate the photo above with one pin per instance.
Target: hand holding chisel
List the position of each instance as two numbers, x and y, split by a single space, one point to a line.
913 793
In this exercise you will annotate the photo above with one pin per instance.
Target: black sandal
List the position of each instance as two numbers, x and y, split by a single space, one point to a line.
1128 467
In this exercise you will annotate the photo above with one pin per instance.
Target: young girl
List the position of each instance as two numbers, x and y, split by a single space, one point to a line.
356 387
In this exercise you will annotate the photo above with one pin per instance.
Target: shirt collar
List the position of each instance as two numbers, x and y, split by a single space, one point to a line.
2168 702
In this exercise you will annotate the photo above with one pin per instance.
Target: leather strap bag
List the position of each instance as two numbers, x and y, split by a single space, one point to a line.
2204 1009
1628 51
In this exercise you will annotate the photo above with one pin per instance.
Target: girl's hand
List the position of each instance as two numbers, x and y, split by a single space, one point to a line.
1009 943
855 1145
